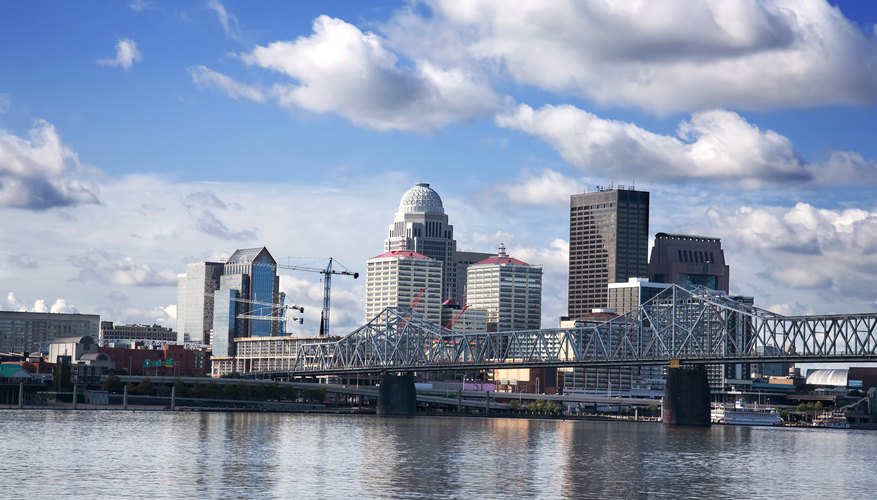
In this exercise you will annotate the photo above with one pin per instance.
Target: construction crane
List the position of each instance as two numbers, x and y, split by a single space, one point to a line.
327 273
453 321
275 309
413 306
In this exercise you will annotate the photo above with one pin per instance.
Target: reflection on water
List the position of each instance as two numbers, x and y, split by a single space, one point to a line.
236 455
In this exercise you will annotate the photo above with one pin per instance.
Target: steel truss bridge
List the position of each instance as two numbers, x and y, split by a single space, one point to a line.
696 326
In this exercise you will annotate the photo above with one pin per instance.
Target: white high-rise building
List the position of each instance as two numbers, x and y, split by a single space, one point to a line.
402 278
421 225
195 291
509 289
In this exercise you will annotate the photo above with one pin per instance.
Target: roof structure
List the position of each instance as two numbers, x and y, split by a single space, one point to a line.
247 255
421 199
13 371
410 254
833 377
501 258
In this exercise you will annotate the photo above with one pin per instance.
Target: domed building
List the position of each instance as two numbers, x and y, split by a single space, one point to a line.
420 225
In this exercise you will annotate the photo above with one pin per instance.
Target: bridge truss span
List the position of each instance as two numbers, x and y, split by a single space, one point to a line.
693 326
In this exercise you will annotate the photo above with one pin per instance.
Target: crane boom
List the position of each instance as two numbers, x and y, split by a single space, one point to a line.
327 273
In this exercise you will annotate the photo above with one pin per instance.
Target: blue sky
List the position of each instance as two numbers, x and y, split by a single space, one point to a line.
138 136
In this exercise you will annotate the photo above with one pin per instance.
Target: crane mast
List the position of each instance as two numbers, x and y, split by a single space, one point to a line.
327 273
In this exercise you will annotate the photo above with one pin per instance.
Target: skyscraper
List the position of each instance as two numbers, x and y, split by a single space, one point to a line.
509 289
402 278
421 225
689 261
242 304
692 261
608 243
195 301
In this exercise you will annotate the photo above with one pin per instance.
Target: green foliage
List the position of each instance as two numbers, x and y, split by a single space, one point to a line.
543 407
114 384
232 375
809 407
181 389
145 387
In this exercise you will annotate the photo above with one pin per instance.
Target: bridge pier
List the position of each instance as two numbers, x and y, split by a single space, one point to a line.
686 397
397 395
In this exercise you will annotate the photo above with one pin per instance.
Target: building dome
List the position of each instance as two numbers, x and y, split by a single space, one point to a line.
421 199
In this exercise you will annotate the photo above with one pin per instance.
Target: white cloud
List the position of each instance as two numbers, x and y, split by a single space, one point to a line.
140 5
339 69
548 188
716 145
228 20
126 54
109 268
40 305
664 56
40 172
832 252
206 77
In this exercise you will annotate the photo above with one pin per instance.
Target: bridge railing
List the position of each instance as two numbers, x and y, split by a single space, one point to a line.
695 326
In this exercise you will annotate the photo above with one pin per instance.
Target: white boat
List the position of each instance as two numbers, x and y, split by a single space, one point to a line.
743 415
835 420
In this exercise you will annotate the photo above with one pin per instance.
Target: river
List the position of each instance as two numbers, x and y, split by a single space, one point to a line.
159 454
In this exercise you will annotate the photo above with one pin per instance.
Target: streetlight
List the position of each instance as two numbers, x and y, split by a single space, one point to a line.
537 385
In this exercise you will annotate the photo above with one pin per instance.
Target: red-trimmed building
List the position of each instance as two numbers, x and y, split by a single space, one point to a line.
404 278
510 290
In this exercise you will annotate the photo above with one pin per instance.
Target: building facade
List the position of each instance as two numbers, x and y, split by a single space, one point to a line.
110 332
34 331
509 289
626 297
195 290
244 304
689 261
698 261
608 243
421 225
404 278
464 260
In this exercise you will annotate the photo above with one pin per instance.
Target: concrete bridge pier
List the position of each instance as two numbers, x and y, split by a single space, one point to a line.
397 395
686 396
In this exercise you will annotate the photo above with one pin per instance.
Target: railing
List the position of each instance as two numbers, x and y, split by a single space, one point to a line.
693 326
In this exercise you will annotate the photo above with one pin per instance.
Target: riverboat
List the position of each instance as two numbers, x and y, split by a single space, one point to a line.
743 415
835 420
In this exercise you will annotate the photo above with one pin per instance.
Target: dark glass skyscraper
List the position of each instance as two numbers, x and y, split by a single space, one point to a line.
608 243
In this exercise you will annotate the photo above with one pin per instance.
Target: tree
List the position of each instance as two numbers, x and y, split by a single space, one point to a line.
145 387
114 384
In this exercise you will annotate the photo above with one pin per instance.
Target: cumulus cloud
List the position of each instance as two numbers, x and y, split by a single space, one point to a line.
716 145
549 187
40 305
228 20
40 172
126 54
118 308
340 69
110 268
830 251
667 56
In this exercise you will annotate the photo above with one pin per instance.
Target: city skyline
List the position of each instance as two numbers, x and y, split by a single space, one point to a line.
138 137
